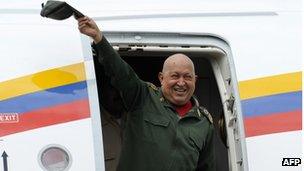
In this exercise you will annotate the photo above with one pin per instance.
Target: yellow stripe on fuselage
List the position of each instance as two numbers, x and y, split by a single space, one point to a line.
277 84
42 80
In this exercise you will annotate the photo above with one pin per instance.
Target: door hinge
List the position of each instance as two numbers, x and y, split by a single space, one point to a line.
230 106
230 103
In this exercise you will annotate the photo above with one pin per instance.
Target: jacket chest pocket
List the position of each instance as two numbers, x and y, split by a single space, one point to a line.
197 139
156 129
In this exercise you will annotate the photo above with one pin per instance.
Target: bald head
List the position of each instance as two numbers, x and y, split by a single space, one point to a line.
177 60
177 79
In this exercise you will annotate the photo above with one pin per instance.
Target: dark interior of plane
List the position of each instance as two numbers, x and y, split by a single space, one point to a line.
148 65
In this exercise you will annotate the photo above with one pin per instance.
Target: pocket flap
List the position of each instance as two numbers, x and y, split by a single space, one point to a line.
157 120
197 139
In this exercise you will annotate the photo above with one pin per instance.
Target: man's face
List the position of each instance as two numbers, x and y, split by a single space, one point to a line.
178 81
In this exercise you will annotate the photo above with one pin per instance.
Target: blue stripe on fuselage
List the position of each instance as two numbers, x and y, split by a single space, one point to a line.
272 104
45 98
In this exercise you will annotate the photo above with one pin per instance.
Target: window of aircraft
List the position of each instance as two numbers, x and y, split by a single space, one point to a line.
54 157
215 87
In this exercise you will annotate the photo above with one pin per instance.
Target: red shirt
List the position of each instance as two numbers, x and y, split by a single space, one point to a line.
182 110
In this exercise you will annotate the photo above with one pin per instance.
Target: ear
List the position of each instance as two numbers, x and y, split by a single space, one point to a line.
160 77
195 78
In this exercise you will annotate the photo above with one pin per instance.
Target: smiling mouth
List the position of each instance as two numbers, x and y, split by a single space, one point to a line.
180 90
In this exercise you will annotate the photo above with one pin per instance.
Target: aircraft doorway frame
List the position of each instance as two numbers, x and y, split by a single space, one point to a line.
220 57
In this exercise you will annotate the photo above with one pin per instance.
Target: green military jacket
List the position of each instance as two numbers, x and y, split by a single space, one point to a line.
155 138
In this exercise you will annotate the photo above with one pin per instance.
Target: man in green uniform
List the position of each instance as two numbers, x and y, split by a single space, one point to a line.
165 127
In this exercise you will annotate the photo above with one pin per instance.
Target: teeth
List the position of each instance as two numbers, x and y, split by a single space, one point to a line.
179 89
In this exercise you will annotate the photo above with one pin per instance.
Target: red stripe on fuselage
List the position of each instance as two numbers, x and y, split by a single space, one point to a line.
48 116
273 123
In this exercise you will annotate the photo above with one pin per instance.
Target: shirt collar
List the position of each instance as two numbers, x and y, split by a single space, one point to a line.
193 112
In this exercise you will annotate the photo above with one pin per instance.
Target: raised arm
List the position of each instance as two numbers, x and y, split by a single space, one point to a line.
122 77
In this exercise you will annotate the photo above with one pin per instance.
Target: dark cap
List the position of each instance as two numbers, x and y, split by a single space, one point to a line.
59 10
